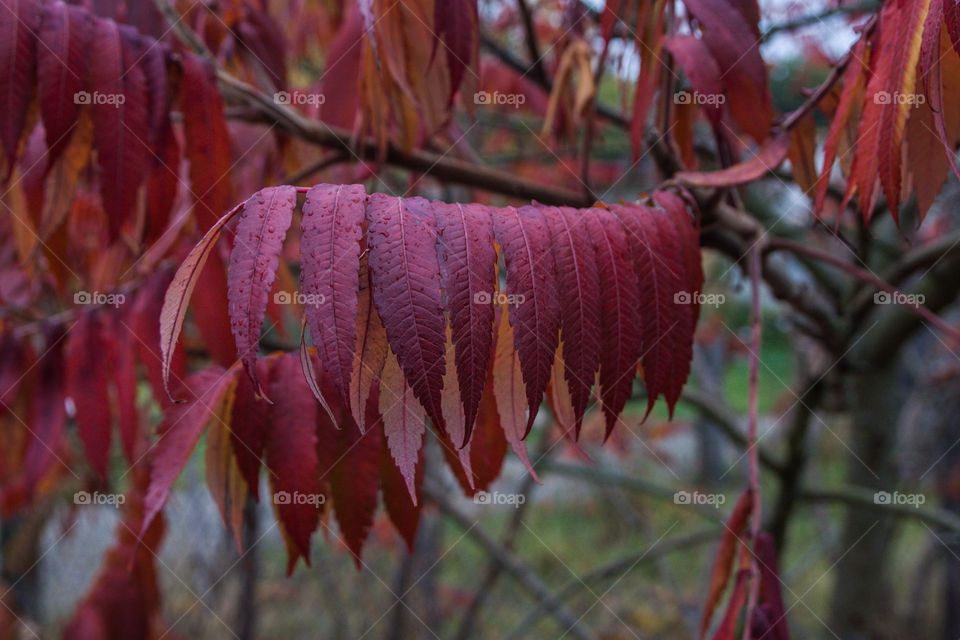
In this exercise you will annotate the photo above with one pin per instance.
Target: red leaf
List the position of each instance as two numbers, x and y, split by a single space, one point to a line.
145 316
701 70
731 41
937 90
524 238
355 476
181 429
332 227
406 289
262 227
468 268
620 326
118 108
249 424
18 59
951 14
852 85
88 376
455 24
579 287
723 563
764 160
660 274
291 454
181 288
905 34
64 43
207 140
771 597
404 421
728 626
163 183
683 238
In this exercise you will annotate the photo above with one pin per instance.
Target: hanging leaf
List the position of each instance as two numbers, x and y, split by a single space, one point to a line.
261 229
468 267
524 238
332 230
406 289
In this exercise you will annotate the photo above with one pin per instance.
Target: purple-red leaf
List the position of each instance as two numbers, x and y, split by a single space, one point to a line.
207 140
253 266
118 107
468 268
181 288
660 275
332 227
620 319
18 59
181 429
524 237
249 423
406 289
578 284
291 454
355 475
88 376
64 42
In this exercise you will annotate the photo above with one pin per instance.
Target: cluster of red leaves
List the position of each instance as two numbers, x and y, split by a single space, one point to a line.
104 87
769 617
896 114
90 357
403 301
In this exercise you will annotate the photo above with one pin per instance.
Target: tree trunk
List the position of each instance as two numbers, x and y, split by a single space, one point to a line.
861 599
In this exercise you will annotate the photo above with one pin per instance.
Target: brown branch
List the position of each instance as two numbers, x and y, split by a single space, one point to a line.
617 569
533 50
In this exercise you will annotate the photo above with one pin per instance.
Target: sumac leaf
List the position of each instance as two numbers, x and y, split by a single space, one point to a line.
406 289
259 238
332 230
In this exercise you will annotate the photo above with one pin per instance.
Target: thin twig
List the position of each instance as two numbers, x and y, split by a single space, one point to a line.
865 276
618 568
755 267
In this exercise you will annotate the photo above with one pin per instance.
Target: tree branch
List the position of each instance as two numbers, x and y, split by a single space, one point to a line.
527 578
